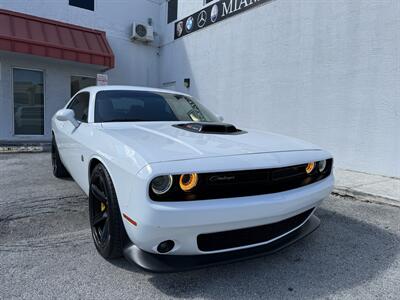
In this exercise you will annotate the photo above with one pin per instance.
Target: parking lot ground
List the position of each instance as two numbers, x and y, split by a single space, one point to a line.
46 251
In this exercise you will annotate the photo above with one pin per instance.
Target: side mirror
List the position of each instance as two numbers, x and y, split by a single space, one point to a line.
67 115
220 118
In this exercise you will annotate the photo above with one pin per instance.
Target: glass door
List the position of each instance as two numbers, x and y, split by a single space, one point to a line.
28 93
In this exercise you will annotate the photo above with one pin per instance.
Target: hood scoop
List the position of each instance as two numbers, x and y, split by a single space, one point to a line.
210 128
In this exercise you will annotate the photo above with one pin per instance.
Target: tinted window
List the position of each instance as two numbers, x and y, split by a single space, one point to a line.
80 106
172 10
86 4
28 102
136 106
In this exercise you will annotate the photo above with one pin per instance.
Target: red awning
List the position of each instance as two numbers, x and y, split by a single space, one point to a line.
43 37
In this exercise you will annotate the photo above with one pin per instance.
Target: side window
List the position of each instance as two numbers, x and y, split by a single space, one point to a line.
80 106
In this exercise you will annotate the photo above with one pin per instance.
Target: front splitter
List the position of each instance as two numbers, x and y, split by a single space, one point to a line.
176 263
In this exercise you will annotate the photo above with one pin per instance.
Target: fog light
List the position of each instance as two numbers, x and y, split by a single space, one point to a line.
310 167
188 181
161 184
321 166
165 246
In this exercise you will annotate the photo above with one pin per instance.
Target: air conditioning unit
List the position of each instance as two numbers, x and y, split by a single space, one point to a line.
142 32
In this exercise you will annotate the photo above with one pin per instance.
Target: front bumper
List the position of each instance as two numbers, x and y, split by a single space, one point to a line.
173 263
183 222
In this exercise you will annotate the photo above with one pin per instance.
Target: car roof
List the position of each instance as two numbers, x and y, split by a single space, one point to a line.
95 89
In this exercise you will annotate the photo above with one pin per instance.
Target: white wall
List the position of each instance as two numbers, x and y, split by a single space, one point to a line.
327 71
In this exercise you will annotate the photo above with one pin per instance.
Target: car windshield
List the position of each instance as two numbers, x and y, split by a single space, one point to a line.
136 106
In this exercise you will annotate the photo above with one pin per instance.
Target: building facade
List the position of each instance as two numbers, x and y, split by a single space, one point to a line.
64 26
324 71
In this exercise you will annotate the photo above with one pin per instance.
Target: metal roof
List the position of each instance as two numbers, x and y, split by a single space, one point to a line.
28 34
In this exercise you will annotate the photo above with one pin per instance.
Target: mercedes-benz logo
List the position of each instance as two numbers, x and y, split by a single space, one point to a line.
201 19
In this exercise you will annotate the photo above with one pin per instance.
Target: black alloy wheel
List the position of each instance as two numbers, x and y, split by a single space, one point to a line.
108 232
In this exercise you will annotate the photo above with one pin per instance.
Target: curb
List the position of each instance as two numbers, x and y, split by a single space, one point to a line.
365 197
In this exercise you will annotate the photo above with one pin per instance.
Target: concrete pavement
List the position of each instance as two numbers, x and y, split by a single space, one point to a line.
367 187
46 251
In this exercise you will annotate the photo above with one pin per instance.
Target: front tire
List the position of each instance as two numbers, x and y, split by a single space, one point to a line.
108 231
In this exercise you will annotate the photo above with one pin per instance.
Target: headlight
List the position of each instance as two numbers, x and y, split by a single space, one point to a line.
321 166
310 167
161 184
188 182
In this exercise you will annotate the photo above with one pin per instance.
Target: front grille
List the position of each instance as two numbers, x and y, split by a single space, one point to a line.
245 183
249 236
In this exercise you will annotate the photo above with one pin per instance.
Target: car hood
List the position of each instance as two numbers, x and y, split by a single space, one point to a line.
161 141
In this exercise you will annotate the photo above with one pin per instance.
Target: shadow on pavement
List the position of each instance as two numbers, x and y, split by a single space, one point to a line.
341 254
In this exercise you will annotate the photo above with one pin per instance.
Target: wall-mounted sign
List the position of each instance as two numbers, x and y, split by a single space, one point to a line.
217 12
102 79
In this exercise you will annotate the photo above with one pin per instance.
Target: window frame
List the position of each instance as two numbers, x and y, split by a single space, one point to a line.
72 101
13 102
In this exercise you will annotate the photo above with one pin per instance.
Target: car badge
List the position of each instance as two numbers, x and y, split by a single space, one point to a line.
189 24
214 13
218 178
179 29
201 19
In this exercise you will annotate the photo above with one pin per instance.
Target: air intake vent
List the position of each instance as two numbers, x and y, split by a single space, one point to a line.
250 236
210 128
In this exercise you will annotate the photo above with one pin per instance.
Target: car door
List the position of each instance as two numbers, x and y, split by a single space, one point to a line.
74 140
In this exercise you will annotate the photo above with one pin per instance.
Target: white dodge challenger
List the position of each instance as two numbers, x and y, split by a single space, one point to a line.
172 187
